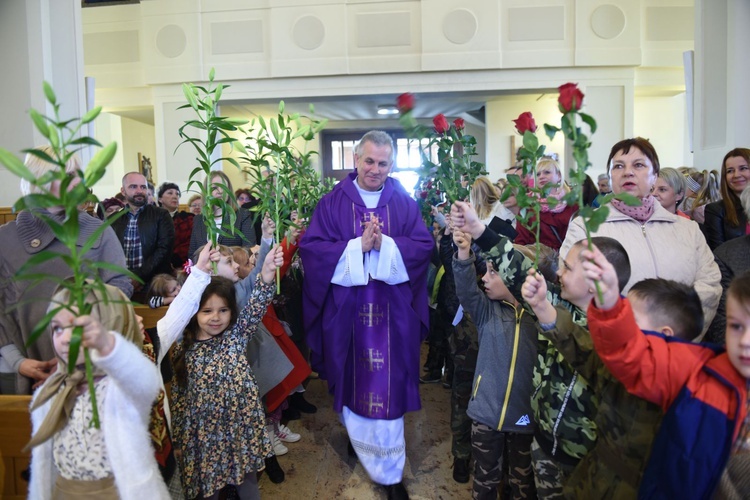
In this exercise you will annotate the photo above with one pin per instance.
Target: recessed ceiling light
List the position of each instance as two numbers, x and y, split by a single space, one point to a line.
387 109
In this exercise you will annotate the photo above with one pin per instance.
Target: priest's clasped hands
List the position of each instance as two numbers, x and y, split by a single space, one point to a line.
372 237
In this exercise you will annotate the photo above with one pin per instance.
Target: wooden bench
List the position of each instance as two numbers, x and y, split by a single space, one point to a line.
15 432
6 215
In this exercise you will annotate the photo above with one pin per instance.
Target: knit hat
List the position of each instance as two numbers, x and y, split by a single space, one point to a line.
112 202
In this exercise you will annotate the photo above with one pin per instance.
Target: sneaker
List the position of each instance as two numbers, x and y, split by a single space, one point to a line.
286 435
278 447
461 470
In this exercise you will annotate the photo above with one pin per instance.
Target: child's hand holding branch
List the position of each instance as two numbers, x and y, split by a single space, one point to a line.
463 242
274 259
534 292
268 227
206 257
94 335
596 267
465 218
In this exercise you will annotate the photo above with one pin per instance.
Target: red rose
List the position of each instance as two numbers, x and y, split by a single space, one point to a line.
525 122
570 98
459 123
423 195
441 124
405 102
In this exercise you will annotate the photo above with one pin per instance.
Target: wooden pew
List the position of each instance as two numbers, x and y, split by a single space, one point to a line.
15 432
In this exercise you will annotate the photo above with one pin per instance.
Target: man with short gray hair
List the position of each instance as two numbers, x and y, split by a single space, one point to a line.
365 306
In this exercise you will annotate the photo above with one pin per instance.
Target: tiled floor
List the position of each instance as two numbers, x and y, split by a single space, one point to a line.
318 466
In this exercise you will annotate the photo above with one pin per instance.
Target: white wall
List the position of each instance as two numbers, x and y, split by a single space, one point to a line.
137 138
500 129
659 119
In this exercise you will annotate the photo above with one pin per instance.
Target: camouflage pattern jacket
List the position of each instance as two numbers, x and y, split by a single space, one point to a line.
626 424
563 402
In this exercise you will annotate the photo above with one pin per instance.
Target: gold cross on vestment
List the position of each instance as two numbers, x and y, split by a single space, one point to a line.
370 314
373 360
370 216
371 402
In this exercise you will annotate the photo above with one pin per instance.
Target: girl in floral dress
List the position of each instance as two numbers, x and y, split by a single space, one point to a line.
218 418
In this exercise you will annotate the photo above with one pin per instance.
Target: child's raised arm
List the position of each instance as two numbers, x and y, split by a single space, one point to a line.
647 365
274 260
534 292
596 267
94 335
185 305
463 243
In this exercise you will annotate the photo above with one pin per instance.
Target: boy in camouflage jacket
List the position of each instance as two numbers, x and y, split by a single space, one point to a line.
563 402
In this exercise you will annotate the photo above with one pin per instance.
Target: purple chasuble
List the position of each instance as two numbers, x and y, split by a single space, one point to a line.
365 340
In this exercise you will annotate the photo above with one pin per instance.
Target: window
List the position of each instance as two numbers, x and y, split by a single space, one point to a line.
338 155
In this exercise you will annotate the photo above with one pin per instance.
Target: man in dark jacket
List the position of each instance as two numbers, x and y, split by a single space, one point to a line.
146 233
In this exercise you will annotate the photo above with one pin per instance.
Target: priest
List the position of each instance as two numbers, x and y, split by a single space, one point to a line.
365 257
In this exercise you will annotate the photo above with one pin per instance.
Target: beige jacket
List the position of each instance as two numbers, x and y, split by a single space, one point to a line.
666 246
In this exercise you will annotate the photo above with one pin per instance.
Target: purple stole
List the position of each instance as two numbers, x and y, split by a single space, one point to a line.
371 343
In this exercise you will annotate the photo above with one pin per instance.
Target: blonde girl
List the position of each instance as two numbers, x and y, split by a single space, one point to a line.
71 459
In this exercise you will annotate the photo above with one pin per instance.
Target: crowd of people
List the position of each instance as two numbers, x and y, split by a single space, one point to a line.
576 369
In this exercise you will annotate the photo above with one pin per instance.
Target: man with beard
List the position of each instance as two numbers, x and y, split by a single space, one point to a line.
146 233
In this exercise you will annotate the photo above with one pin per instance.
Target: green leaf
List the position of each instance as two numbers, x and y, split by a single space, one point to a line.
49 93
281 107
40 122
217 92
15 165
87 141
91 115
550 130
597 218
211 74
74 347
628 199
589 120
187 90
530 141
41 327
97 166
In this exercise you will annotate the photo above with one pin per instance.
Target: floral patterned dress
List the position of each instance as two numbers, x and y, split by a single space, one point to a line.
219 422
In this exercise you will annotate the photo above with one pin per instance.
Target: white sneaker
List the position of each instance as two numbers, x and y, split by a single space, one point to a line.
285 434
278 447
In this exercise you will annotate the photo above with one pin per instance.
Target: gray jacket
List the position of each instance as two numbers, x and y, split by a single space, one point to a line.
501 395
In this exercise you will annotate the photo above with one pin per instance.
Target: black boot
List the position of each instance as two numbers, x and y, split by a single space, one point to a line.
431 377
274 470
291 413
298 401
461 470
397 492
